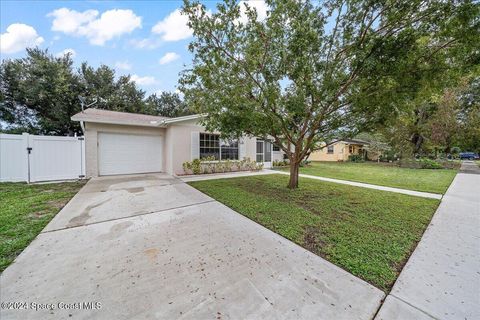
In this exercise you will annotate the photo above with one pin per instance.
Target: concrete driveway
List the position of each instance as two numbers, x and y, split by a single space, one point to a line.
152 247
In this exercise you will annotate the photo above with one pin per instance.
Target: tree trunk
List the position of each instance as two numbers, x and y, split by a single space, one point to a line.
417 141
294 167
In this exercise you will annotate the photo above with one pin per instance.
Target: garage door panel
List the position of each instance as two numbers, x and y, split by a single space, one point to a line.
128 153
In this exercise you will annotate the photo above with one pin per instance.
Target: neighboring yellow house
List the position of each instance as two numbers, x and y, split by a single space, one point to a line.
339 150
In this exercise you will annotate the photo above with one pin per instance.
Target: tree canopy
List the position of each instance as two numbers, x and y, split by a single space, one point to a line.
167 104
311 71
39 93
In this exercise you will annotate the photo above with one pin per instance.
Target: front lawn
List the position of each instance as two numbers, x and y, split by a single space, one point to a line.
367 232
427 180
25 210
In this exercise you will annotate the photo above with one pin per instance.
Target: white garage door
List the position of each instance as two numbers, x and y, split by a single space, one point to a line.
128 153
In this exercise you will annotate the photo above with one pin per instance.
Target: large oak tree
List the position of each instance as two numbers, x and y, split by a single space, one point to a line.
312 71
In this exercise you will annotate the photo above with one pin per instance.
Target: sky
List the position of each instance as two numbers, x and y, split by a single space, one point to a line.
146 39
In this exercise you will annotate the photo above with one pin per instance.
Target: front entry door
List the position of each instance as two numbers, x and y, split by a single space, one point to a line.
264 153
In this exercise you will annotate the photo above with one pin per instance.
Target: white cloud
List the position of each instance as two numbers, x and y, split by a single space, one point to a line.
169 57
18 37
70 51
123 65
174 27
143 81
259 5
147 43
69 21
97 29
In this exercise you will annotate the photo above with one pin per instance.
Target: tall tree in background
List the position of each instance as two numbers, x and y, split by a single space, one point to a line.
39 93
117 95
311 71
443 127
469 116
167 104
439 120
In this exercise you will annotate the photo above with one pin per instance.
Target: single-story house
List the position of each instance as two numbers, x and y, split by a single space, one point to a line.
127 143
340 150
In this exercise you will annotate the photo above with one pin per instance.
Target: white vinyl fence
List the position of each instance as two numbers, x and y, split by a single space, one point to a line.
33 158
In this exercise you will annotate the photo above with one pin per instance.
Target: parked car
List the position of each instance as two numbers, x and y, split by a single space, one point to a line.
469 156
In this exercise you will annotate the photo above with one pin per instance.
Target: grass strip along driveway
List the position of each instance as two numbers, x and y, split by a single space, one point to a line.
369 233
427 180
25 210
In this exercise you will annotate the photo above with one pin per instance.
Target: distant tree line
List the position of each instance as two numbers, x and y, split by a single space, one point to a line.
39 94
443 122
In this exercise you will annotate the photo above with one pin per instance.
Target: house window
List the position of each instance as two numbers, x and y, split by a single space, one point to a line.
350 149
229 149
212 146
209 145
276 148
330 149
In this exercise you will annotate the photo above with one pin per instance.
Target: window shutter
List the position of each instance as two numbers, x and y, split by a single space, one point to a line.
242 148
195 145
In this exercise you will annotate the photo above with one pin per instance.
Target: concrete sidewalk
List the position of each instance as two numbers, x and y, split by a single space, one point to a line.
441 280
371 186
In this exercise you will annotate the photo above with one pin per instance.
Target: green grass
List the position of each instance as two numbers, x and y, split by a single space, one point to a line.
25 210
367 232
427 180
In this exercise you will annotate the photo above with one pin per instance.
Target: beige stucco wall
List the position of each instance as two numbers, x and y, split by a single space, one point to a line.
250 147
91 140
277 156
177 146
340 153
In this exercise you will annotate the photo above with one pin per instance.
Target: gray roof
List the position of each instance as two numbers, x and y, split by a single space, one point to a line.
126 118
115 117
354 141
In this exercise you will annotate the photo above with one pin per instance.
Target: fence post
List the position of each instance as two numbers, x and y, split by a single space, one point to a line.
26 139
83 159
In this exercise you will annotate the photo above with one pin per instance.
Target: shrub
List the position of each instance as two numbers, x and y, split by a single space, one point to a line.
280 163
356 158
450 164
228 165
210 165
388 157
422 163
187 166
196 166
305 163
429 164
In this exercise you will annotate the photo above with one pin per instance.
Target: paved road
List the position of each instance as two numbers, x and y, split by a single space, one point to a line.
442 278
470 167
152 247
